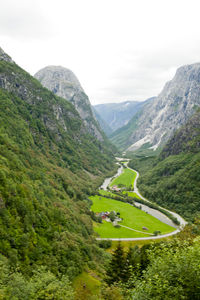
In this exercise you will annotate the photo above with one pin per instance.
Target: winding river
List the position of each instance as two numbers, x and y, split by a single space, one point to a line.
155 213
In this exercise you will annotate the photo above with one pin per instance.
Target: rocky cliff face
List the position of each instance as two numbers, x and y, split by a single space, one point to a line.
5 57
172 108
65 84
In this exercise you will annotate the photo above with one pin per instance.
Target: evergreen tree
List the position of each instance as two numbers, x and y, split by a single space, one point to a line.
115 270
144 260
132 263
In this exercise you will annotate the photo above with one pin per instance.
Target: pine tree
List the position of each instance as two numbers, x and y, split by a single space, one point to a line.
115 270
131 266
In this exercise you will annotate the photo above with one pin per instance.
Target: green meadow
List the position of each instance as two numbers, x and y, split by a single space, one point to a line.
108 193
131 194
126 178
133 218
124 193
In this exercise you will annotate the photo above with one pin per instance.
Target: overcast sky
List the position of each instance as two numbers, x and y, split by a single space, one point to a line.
119 49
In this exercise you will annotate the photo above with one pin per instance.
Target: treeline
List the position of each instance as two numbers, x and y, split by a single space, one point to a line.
156 271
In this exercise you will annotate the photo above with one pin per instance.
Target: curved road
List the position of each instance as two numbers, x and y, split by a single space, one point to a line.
179 218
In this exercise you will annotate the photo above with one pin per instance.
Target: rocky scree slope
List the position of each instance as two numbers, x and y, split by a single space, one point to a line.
158 120
49 164
65 84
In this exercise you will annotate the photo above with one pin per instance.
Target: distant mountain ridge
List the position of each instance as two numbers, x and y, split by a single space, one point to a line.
104 126
117 115
63 82
157 121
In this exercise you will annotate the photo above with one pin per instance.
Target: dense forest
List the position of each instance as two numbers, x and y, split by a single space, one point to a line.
165 270
49 164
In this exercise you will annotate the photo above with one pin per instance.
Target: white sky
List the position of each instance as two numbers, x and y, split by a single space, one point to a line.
119 49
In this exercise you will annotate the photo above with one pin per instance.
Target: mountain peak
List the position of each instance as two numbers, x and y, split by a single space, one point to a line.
64 83
188 72
51 75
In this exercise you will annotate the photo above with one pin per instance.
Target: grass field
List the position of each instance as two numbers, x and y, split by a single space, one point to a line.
126 178
131 194
125 193
108 193
86 286
127 244
132 217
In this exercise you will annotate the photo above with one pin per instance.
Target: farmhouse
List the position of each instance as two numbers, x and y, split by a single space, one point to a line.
103 214
115 188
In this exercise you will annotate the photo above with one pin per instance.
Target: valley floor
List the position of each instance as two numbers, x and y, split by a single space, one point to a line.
136 224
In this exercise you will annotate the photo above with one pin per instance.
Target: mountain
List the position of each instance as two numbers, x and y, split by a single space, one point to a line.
173 179
157 121
104 126
49 164
65 84
117 115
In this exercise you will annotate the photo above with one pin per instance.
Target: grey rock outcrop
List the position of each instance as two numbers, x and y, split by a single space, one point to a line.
65 84
166 113
5 57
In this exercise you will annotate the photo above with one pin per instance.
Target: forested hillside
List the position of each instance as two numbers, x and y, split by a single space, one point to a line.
49 164
173 179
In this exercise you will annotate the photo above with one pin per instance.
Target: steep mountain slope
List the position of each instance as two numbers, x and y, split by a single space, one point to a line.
117 115
65 84
104 126
173 180
160 118
121 137
48 165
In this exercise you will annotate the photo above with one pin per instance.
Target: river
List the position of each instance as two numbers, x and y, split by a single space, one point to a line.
155 213
108 180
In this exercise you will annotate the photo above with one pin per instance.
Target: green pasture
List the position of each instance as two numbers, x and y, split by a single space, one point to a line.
86 285
131 194
140 243
126 178
106 193
132 217
124 193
